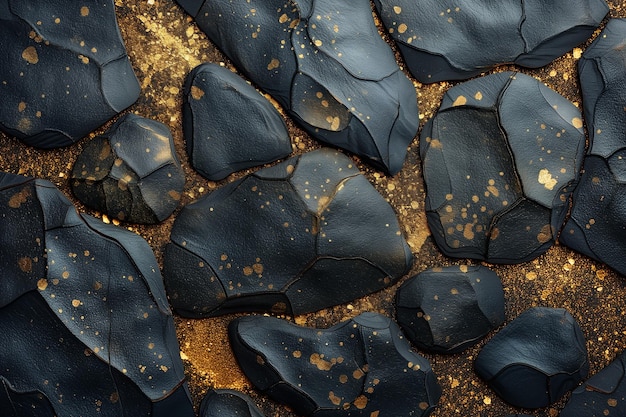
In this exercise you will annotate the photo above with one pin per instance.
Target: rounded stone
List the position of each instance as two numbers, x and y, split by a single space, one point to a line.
228 403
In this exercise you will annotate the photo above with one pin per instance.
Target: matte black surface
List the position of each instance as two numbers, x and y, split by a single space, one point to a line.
500 159
447 40
604 394
447 310
596 227
359 367
296 237
228 403
535 359
64 70
327 66
131 172
85 327
228 125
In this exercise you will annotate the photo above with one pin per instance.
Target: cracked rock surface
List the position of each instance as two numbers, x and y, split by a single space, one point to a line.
296 237
72 342
131 172
327 66
64 70
447 40
228 403
500 159
359 367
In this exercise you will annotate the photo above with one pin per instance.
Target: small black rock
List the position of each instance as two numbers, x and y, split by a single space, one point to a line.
543 347
326 65
64 70
449 41
228 403
604 394
500 159
360 367
131 172
446 310
296 237
228 125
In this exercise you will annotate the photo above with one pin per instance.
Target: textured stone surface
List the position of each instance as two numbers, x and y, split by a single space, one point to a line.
72 343
500 159
596 226
359 367
295 238
448 309
131 172
545 348
228 125
64 70
228 403
447 40
604 394
326 64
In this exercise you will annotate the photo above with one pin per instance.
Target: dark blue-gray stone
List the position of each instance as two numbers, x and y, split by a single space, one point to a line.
326 65
228 125
131 172
64 70
596 227
535 359
447 310
228 403
360 367
448 40
500 159
296 237
72 343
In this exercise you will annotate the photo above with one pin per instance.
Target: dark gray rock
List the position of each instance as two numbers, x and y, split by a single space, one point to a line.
454 41
604 394
500 160
228 125
596 227
543 347
327 66
359 367
296 237
64 70
228 403
446 310
72 343
131 172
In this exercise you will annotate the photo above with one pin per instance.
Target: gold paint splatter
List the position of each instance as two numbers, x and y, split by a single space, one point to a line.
612 402
175 195
25 264
531 276
318 360
577 53
360 402
30 55
75 303
196 93
333 398
17 199
283 18
21 106
318 42
274 63
358 374
42 284
545 178
297 354
84 11
247 270
57 20
577 122
478 96
65 274
397 9
463 268
460 101
402 28
545 234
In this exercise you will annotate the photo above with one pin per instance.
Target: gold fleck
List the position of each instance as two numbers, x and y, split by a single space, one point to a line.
577 122
577 53
75 303
454 291
274 63
358 374
318 360
84 11
25 264
460 101
402 28
546 179
30 55
42 284
175 195
478 96
57 20
487 400
334 125
612 402
283 18
545 234
333 398
531 276
463 268
318 42
21 106
360 402
247 270
297 354
397 9
65 274
196 92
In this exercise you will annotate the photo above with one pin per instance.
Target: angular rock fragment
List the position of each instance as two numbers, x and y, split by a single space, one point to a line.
360 367
64 70
446 40
327 66
543 347
446 310
72 343
596 226
604 394
228 125
228 403
306 234
131 172
500 159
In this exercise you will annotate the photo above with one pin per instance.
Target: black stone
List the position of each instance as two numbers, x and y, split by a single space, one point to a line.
228 125
447 310
72 343
359 367
499 162
228 403
596 227
64 70
296 237
604 394
543 347
454 41
326 65
131 172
